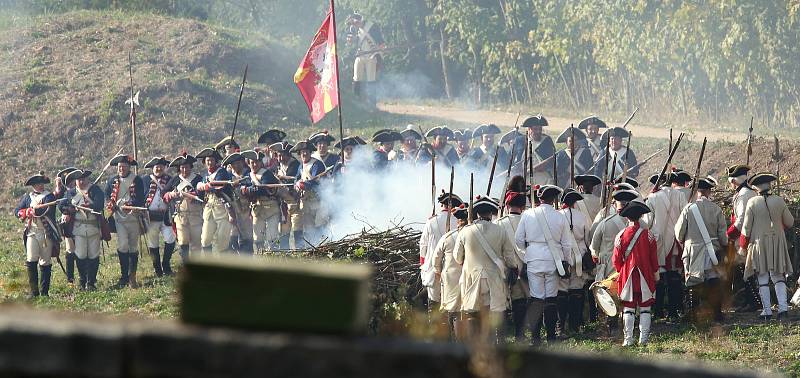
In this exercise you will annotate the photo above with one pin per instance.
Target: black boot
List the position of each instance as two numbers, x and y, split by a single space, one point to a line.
245 247
551 318
675 288
184 252
535 311
562 303
451 324
70 261
83 272
33 278
575 306
134 263
124 263
93 266
169 248
590 300
45 271
519 308
156 257
299 240
692 304
661 292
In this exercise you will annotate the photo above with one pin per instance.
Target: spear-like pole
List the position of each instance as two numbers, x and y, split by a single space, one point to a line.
697 172
134 100
749 141
450 197
239 103
572 157
471 197
338 91
491 175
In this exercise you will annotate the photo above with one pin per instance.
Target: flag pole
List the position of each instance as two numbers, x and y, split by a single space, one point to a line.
338 91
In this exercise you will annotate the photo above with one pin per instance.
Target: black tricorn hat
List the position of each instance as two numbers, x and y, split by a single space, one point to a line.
681 176
548 191
460 212
123 159
738 170
350 141
510 137
485 204
624 186
454 199
592 120
322 136
627 180
78 174
304 145
588 180
271 136
762 178
462 135
156 161
570 196
386 136
625 195
634 209
618 132
283 146
439 131
182 160
252 155
537 120
579 134
37 179
409 132
707 183
224 142
64 172
667 178
232 158
486 129
209 152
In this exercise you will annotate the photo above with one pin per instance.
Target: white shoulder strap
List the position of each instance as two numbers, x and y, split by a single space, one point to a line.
633 242
509 228
490 252
540 217
701 225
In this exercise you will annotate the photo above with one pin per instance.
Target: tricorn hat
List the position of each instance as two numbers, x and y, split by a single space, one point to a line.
252 155
681 176
624 195
322 136
283 146
485 204
304 145
271 136
37 179
570 196
159 160
78 174
409 132
386 136
350 141
548 191
64 172
667 178
511 136
707 183
462 135
738 170
634 209
209 152
123 159
460 212
579 134
762 178
592 120
439 131
454 199
232 158
627 180
182 160
587 180
618 132
624 186
537 120
486 129
224 142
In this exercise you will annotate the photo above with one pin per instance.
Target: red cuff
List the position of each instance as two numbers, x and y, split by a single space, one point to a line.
733 232
22 213
744 241
421 260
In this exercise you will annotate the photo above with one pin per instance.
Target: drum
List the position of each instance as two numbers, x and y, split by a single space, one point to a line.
606 295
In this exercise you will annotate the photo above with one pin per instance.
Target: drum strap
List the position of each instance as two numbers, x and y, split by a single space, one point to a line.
541 218
633 242
701 225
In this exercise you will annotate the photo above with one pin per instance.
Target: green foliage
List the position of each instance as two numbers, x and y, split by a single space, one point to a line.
34 85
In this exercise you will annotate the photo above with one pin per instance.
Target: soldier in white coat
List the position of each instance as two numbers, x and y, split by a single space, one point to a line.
571 291
765 219
701 231
448 271
486 254
745 292
434 229
590 204
519 291
666 204
545 235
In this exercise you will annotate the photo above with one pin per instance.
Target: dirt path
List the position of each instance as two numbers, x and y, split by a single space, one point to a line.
506 119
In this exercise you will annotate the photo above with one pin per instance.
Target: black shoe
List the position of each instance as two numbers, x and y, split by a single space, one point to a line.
91 281
782 315
33 278
83 273
70 261
45 271
124 264
156 257
765 318
169 248
132 267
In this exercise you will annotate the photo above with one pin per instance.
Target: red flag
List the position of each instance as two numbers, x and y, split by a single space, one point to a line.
317 75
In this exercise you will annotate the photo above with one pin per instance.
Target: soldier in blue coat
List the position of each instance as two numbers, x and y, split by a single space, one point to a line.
41 236
218 213
322 142
84 203
125 193
307 184
158 215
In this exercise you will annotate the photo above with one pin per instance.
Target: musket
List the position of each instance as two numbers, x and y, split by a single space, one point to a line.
272 185
88 210
530 162
609 193
102 171
525 159
572 157
239 103
625 157
605 170
749 141
133 208
471 198
697 172
777 156
643 162
670 139
48 204
192 197
433 184
491 174
508 171
627 121
669 161
134 101
555 168
450 197
226 182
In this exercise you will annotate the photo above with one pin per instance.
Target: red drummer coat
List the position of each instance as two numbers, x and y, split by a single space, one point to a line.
643 258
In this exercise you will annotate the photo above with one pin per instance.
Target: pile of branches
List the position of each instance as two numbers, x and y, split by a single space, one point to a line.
394 256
